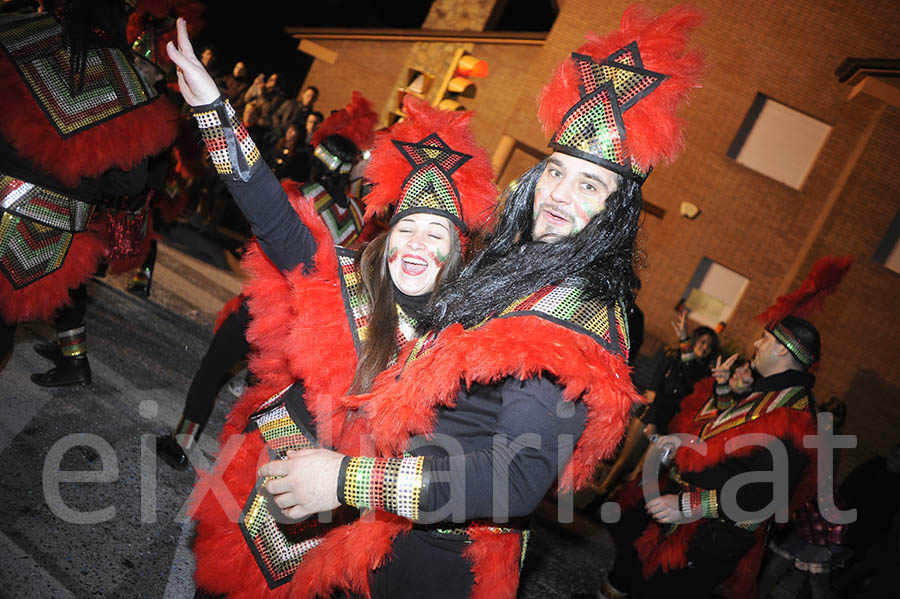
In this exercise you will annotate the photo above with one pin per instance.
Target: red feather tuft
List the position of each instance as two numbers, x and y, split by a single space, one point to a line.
356 122
823 280
230 307
653 129
388 168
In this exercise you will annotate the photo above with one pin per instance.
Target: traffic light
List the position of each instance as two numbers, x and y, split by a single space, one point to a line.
456 83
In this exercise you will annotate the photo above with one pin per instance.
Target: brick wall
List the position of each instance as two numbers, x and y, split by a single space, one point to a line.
749 223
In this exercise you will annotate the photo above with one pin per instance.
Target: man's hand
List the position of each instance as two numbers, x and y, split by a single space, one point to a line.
666 510
722 370
197 87
307 482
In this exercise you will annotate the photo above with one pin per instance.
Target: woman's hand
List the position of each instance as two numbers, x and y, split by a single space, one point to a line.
197 87
306 482
679 327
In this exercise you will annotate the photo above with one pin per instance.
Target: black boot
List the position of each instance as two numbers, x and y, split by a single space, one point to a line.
68 371
169 451
49 350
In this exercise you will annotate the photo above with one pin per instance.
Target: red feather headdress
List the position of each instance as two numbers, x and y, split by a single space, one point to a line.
356 122
430 162
823 280
614 101
152 25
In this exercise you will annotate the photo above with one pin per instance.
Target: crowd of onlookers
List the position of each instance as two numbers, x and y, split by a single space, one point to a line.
281 126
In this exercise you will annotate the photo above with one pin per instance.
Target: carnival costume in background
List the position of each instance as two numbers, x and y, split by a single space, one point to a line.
697 556
550 363
310 316
343 217
76 132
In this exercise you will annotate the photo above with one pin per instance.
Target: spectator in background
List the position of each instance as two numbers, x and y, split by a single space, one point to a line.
210 61
682 368
255 89
311 124
295 110
289 158
235 85
269 100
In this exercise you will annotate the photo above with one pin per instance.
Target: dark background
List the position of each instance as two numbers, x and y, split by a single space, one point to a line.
253 31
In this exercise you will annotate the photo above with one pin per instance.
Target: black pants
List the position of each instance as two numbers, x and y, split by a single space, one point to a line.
228 346
72 316
7 338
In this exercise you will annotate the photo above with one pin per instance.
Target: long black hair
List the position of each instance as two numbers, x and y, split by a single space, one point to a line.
512 265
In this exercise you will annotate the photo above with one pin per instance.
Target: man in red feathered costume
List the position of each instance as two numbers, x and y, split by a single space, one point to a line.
79 124
696 536
524 378
339 144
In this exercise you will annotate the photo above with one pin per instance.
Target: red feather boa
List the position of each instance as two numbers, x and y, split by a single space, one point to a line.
299 331
121 142
398 409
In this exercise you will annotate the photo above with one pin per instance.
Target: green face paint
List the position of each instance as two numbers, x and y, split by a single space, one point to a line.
392 254
441 258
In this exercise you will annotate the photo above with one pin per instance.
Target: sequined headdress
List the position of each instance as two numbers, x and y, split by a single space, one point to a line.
356 122
614 100
430 162
785 319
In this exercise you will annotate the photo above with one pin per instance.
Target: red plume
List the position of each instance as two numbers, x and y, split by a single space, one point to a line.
822 280
652 125
356 122
388 168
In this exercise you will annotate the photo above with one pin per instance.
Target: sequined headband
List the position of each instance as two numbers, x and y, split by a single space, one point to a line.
793 345
331 161
429 187
593 128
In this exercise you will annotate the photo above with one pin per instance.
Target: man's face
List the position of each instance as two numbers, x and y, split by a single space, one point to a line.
768 354
240 69
291 134
569 193
272 80
312 123
207 57
308 96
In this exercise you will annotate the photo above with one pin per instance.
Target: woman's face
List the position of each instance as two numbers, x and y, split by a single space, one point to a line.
702 346
418 247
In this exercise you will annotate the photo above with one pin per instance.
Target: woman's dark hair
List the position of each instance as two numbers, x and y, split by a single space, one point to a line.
713 342
88 25
380 345
512 265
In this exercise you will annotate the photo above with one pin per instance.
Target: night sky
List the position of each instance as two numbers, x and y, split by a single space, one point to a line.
255 34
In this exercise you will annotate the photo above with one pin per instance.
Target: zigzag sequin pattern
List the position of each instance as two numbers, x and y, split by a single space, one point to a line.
36 229
111 84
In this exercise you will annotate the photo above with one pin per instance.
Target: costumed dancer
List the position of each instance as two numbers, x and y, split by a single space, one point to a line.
694 542
524 378
340 143
78 127
326 319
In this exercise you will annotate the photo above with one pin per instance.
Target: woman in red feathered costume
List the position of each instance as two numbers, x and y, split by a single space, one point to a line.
62 154
524 379
325 320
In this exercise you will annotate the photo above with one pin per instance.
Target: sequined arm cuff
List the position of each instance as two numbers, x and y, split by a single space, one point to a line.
684 346
700 503
394 485
230 147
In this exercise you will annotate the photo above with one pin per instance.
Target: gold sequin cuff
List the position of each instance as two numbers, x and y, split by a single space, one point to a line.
391 484
230 147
